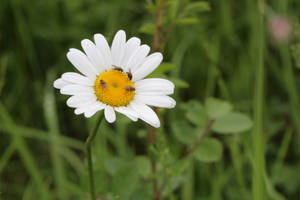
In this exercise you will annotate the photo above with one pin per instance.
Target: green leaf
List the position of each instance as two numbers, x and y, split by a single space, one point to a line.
143 165
164 68
210 150
147 28
179 167
187 21
125 181
232 123
196 113
184 132
143 193
216 108
198 6
113 164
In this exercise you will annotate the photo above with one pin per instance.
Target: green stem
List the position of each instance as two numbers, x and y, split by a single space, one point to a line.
258 186
89 155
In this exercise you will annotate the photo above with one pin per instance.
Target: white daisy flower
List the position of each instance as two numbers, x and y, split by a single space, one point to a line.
113 79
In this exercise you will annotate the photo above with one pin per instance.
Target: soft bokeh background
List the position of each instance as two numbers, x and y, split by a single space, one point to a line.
215 49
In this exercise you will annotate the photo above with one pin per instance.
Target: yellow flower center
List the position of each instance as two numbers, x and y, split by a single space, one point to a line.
114 88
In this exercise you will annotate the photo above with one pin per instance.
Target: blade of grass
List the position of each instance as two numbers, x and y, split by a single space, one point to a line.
6 155
26 156
219 181
3 70
188 186
30 165
41 135
283 149
72 159
52 124
28 192
25 36
237 162
290 85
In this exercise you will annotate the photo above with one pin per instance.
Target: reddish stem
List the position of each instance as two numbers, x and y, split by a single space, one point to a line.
207 129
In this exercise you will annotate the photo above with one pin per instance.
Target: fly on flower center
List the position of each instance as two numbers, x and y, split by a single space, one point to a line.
114 87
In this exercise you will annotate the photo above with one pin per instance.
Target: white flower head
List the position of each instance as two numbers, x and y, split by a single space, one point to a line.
113 79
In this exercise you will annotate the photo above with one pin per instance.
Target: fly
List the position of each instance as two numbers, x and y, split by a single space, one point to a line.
129 74
129 88
103 84
118 68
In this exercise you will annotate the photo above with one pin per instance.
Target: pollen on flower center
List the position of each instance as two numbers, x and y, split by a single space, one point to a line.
114 88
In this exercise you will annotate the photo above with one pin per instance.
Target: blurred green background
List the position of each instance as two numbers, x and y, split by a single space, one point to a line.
244 54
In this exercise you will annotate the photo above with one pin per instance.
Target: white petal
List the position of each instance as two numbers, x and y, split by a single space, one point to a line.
103 47
137 58
128 112
90 113
93 109
154 86
89 108
157 101
80 101
79 111
79 98
76 89
131 45
59 83
76 78
94 55
118 48
148 66
109 114
146 114
81 63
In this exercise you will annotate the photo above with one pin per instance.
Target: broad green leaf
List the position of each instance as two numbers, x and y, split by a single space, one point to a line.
148 28
164 67
125 181
143 165
187 21
288 176
113 164
143 193
195 113
216 108
184 132
180 166
210 150
232 123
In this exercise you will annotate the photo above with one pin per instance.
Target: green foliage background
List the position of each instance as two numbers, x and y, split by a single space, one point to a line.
219 49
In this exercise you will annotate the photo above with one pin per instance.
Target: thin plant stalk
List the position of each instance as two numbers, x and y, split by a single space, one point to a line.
7 154
88 147
258 186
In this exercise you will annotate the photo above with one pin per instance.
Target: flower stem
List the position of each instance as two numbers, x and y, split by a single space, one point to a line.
89 155
258 184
